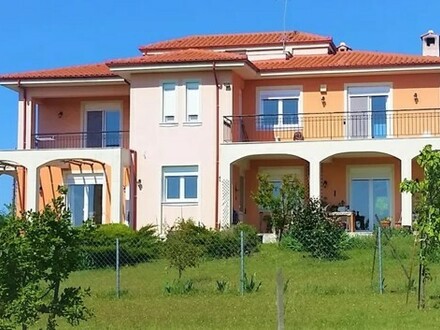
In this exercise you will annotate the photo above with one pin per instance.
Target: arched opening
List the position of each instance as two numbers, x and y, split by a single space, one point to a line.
91 189
244 182
365 183
12 186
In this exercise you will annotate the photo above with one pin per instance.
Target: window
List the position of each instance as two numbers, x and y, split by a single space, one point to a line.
85 197
192 102
367 115
103 125
279 108
180 183
169 102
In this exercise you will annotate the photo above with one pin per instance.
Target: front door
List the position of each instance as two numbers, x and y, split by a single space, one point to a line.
371 200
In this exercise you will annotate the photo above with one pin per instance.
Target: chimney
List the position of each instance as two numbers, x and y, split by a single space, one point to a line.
343 47
430 44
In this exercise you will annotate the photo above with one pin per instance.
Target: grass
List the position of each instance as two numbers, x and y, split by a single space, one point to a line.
320 294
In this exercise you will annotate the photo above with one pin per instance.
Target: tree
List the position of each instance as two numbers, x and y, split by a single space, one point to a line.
39 250
427 208
282 205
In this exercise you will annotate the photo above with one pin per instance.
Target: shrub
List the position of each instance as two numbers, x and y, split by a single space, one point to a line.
134 247
317 234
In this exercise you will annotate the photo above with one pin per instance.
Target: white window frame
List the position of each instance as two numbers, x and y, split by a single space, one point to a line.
88 179
104 106
189 122
370 89
168 172
176 101
280 93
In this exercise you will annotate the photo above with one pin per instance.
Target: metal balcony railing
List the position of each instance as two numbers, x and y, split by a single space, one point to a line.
105 139
332 126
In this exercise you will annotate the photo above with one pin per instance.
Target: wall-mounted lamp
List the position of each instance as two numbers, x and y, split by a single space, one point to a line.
227 86
60 114
139 184
416 98
324 184
323 101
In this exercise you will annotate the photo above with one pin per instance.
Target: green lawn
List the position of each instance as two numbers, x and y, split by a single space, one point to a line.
320 295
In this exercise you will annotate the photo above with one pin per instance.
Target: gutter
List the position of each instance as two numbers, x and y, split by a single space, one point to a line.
217 145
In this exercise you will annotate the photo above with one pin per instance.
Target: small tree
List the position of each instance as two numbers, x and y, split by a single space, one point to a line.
427 208
282 205
39 250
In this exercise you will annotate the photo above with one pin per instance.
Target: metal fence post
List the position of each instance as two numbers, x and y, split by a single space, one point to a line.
118 274
379 250
241 263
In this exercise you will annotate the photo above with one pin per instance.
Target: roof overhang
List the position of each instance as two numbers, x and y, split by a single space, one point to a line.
349 72
17 83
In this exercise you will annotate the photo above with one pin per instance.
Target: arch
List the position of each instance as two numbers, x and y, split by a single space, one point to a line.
355 154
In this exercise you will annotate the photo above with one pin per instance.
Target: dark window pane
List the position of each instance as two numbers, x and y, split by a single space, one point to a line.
269 116
173 187
190 186
290 112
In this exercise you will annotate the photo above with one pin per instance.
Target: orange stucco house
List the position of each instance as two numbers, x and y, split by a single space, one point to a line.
183 129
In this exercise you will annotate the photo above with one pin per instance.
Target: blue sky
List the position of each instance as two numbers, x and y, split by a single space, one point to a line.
52 33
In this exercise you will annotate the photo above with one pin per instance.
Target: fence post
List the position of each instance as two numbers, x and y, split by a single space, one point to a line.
241 262
379 250
118 274
280 299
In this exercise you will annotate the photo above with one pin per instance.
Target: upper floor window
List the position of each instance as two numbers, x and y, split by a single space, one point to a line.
103 125
279 108
367 116
180 183
169 103
192 102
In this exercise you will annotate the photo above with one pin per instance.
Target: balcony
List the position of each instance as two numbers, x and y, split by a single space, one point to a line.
105 139
332 126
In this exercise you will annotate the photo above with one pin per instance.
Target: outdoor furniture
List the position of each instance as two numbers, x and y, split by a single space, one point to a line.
346 218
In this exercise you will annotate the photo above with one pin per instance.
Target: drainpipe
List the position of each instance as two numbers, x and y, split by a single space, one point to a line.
217 144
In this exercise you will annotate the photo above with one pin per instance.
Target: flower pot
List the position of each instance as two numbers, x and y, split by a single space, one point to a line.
385 223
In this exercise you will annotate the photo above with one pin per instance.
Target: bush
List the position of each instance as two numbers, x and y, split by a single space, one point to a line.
134 247
317 234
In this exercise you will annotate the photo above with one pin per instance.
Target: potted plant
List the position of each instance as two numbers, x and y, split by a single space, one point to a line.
385 222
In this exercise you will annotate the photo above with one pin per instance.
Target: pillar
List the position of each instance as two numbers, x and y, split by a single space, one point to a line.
116 193
406 173
32 188
314 179
225 211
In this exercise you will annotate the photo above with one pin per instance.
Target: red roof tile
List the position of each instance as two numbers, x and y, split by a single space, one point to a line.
345 60
180 56
80 71
236 40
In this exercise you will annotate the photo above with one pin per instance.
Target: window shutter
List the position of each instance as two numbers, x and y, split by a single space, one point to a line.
192 101
169 102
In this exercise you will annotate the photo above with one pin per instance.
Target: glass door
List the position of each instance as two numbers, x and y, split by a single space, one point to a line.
371 200
378 116
103 129
85 202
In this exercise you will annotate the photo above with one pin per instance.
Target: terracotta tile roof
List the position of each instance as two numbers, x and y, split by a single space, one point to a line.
180 56
99 70
235 40
345 60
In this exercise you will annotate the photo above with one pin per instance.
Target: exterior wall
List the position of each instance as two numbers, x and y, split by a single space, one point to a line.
335 172
255 166
73 119
164 145
325 119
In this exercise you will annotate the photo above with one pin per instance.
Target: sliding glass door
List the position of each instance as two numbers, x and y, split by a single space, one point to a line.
371 200
103 128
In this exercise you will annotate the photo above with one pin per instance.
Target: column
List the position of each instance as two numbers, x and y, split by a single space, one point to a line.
225 211
20 122
32 188
116 193
406 198
314 179
29 121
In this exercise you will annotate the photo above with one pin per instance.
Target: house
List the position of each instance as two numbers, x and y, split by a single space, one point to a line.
183 129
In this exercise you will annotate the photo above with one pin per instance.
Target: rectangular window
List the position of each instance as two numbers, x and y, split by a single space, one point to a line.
180 183
192 102
85 198
103 127
279 108
169 103
367 112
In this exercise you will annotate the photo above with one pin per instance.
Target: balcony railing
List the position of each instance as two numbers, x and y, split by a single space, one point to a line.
332 126
106 139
